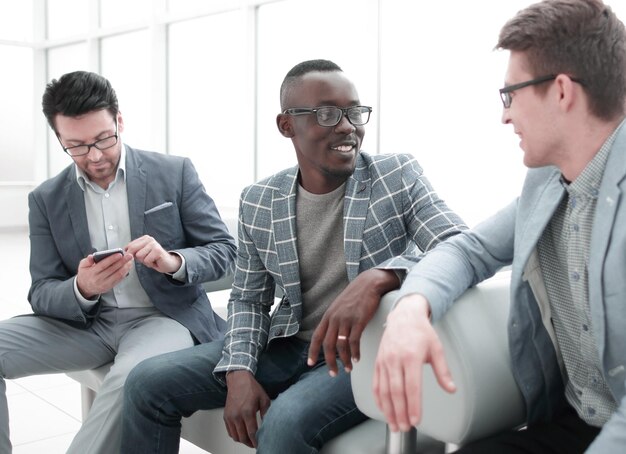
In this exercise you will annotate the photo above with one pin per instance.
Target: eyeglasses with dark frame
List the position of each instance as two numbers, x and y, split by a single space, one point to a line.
81 150
505 93
329 116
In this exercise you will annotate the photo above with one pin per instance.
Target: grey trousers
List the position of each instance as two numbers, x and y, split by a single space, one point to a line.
31 345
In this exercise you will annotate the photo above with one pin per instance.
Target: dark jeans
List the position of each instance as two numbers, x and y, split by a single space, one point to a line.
309 407
567 434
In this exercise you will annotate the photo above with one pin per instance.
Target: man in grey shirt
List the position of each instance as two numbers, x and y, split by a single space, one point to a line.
131 305
318 231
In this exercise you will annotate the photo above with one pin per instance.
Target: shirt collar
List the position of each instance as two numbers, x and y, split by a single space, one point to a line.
82 179
588 182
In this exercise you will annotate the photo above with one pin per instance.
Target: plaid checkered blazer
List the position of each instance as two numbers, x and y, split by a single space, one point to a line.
390 210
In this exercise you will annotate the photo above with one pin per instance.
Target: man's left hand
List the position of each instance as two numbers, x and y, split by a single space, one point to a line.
148 251
339 331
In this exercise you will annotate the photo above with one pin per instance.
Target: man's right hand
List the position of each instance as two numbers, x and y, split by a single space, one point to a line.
96 278
408 343
245 398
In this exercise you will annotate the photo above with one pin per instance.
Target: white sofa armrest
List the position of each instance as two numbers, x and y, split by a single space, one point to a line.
475 341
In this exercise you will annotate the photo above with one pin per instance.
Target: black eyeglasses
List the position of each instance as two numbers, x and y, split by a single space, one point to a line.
505 93
81 150
330 116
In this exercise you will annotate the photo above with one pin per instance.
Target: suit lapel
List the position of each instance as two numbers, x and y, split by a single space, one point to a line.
604 221
284 228
75 202
539 216
136 187
355 209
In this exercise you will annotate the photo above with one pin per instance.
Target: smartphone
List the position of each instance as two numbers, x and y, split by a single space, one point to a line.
99 255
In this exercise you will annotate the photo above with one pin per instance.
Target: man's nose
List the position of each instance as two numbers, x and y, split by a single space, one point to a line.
506 118
93 153
344 125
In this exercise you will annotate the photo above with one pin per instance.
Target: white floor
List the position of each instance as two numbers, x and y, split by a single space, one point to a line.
44 410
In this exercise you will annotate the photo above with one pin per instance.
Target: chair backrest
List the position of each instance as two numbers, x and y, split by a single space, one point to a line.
474 336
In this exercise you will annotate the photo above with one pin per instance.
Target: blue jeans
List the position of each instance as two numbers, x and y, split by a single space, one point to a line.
309 407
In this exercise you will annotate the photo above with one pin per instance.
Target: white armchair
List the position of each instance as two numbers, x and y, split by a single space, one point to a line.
474 336
206 428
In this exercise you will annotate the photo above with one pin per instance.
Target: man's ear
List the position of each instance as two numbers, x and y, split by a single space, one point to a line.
285 126
567 94
120 123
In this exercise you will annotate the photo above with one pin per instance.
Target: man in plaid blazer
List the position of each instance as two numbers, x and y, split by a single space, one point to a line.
330 233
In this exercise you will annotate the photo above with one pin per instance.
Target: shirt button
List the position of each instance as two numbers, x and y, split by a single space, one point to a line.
575 276
110 227
106 195
575 227
591 411
585 327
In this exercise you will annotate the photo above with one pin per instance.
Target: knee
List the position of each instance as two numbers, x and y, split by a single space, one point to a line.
272 436
146 380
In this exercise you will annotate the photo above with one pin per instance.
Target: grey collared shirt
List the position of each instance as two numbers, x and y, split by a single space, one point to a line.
564 259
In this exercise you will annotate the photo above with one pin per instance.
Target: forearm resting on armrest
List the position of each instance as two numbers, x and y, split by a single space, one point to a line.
474 338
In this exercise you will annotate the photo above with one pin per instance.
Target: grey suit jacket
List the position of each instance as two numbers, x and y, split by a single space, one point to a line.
389 208
191 226
510 237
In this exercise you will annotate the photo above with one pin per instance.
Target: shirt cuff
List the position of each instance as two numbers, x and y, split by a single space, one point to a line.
181 274
83 302
399 272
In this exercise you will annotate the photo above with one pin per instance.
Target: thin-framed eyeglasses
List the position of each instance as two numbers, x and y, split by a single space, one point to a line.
81 150
505 93
330 116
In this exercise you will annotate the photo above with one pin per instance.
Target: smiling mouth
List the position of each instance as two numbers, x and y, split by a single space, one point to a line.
343 148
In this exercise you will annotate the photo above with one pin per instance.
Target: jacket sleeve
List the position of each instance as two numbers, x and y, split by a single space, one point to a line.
428 219
248 310
210 249
52 282
464 260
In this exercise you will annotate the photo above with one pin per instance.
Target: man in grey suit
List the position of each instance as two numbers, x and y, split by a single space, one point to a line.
565 236
128 306
317 231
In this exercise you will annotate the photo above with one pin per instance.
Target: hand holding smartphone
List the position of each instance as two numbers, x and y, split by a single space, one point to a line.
99 255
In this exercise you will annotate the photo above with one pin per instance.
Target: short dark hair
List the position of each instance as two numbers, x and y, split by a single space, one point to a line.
78 93
300 70
580 38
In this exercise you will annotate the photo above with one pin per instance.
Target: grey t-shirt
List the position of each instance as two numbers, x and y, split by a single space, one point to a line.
321 256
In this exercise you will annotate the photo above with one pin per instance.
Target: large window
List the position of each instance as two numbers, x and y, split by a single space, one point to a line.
114 13
61 60
126 62
16 114
201 78
67 18
210 102
18 24
440 101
